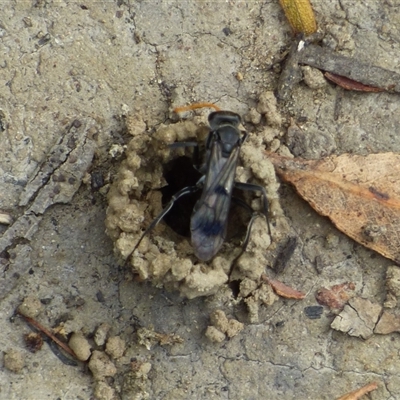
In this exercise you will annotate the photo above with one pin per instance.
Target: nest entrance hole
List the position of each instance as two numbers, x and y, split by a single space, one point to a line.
180 173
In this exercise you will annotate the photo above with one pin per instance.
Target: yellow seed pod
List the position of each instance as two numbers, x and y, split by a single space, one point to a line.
300 16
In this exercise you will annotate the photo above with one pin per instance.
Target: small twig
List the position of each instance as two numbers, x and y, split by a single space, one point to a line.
359 392
291 74
365 73
347 72
41 328
195 106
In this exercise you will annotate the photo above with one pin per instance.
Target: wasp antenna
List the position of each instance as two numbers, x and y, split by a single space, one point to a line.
195 106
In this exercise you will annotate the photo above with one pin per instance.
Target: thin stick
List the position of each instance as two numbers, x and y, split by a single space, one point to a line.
195 106
360 392
366 73
41 328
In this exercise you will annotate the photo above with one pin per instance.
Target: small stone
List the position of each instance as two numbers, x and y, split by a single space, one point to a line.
181 269
267 105
30 307
136 383
313 77
14 361
101 334
234 327
269 134
284 151
5 218
247 286
388 323
115 347
101 365
214 334
80 346
393 280
253 307
142 370
253 116
116 150
331 241
135 125
267 295
390 301
219 320
274 145
102 391
239 76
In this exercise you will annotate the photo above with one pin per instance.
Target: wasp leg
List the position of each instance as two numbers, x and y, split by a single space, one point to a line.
175 197
256 188
254 215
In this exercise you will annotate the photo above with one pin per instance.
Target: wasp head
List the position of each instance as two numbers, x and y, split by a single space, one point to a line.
224 126
220 118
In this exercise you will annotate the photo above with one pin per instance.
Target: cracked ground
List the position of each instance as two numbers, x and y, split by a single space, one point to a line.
78 69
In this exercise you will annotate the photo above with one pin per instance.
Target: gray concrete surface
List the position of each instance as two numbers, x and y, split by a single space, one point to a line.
98 61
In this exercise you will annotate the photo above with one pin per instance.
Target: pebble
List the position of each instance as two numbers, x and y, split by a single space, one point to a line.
30 307
102 391
393 280
234 327
5 219
101 334
214 334
219 320
14 361
115 347
80 346
313 77
267 105
101 365
253 116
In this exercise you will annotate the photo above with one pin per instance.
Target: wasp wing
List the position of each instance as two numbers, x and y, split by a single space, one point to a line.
210 215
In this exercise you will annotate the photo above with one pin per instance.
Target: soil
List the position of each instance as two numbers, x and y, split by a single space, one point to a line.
85 88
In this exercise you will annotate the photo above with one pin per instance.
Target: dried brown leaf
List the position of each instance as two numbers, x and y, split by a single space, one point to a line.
351 84
337 296
283 290
356 394
360 194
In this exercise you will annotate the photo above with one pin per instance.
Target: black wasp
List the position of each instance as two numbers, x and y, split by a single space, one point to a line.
209 218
